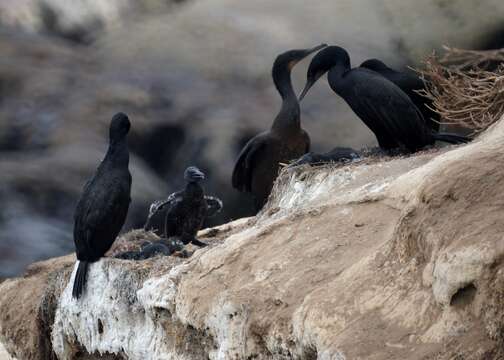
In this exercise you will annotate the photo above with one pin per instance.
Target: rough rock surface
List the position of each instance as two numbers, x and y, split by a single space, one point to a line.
385 259
195 80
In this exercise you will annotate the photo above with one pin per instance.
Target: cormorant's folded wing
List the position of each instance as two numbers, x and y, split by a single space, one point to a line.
384 101
93 212
244 167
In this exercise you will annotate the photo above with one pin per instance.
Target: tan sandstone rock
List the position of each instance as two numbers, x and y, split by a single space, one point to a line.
383 259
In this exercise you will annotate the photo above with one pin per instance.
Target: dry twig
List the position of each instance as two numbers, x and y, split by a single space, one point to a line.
461 59
462 92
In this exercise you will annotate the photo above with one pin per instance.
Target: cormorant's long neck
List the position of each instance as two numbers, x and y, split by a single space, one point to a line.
288 117
193 191
118 153
335 75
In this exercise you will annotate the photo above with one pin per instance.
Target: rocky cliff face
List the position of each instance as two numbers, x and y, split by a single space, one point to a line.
195 80
384 259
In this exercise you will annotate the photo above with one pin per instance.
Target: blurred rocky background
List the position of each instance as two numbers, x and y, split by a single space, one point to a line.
194 77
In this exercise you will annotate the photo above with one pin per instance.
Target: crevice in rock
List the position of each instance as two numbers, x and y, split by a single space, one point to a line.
100 327
309 353
464 296
258 332
185 338
84 355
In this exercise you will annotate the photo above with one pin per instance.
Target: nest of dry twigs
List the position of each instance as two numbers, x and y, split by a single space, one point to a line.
462 89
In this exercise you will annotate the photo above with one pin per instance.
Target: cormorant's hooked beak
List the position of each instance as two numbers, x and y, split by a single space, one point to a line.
298 55
316 48
198 175
309 84
193 174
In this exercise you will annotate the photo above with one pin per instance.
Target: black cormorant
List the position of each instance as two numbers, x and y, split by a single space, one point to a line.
410 84
386 110
258 162
186 209
151 249
103 205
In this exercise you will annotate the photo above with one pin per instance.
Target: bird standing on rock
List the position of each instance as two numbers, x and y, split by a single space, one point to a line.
103 205
386 110
258 163
186 209
410 84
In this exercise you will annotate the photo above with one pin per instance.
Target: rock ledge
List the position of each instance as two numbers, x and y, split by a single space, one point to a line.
397 259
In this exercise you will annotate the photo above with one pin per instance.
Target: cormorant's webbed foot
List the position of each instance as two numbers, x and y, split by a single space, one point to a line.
198 243
214 205
173 243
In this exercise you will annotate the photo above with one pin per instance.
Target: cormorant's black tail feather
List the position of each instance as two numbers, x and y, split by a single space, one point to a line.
451 138
80 279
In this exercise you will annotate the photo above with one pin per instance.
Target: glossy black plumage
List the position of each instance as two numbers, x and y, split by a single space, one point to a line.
257 165
410 84
103 205
386 110
151 249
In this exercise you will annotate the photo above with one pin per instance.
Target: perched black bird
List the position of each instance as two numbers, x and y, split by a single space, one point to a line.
410 84
103 205
186 209
257 165
386 110
151 249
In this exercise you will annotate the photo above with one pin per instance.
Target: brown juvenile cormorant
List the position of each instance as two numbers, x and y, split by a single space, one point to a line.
410 84
186 209
103 205
386 110
257 165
